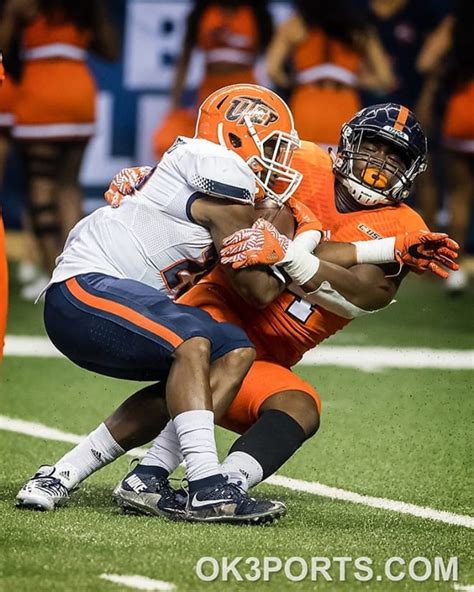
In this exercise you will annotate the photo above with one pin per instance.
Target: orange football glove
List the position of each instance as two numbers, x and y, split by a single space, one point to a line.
260 245
423 250
124 183
305 219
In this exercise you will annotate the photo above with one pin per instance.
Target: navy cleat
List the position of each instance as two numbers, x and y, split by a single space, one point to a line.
148 493
227 502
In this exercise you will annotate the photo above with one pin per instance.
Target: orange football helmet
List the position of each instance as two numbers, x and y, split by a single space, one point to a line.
257 124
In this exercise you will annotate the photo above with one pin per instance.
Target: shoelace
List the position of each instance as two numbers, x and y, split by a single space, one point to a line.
51 485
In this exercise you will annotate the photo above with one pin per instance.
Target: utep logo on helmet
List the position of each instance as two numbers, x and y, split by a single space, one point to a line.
259 112
394 132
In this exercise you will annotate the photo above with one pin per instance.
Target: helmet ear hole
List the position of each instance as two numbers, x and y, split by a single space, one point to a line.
235 140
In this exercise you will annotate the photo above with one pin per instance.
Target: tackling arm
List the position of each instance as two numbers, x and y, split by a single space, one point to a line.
364 286
257 285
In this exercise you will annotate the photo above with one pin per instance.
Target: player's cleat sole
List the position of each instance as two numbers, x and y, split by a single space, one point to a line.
34 503
253 520
228 503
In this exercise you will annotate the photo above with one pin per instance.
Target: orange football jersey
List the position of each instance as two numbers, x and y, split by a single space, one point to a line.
290 326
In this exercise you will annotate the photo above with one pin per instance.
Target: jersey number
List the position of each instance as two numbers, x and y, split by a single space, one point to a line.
300 309
180 276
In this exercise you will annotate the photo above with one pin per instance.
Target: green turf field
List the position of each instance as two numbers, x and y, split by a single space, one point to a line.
397 434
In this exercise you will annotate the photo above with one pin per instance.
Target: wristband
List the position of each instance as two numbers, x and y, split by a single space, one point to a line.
300 265
309 239
375 251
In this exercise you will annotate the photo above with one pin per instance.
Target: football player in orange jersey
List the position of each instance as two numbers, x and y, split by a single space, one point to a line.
272 399
361 200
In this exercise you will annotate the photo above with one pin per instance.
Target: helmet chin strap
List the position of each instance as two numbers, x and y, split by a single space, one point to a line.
220 134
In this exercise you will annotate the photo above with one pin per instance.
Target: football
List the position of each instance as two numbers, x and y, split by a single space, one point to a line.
280 216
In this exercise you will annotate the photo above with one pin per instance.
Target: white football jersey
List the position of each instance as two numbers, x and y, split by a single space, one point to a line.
152 237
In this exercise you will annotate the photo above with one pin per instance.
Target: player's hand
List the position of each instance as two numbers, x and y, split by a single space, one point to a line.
308 228
305 219
124 184
260 245
427 251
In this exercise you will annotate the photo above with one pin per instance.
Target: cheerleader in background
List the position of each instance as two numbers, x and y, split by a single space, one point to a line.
231 34
55 106
447 60
332 53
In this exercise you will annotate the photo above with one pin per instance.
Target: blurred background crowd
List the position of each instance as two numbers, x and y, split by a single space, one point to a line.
92 86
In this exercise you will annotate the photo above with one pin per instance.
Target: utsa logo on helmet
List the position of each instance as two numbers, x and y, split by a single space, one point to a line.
259 112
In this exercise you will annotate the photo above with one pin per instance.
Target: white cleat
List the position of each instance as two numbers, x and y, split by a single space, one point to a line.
47 488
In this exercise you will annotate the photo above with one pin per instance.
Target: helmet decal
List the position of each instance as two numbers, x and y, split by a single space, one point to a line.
256 109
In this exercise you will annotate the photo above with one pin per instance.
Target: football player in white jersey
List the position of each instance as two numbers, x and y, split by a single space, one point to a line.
109 305
142 489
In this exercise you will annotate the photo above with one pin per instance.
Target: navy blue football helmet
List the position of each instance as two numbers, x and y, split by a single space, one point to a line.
395 125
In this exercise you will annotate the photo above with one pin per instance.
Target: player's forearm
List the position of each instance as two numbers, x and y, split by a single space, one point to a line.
367 291
347 255
257 286
342 254
310 271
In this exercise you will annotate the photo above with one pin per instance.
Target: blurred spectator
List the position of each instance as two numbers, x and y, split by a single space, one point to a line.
402 26
332 53
447 60
55 106
7 97
231 34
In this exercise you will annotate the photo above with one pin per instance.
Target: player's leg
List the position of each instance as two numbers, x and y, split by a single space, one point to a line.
69 194
40 162
137 421
214 502
104 342
132 426
139 343
276 411
123 329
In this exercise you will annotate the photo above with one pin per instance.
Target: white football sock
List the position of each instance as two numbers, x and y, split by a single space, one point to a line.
195 430
165 451
241 466
96 451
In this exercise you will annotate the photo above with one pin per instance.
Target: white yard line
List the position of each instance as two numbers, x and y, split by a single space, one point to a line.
373 502
468 588
38 430
360 357
139 582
